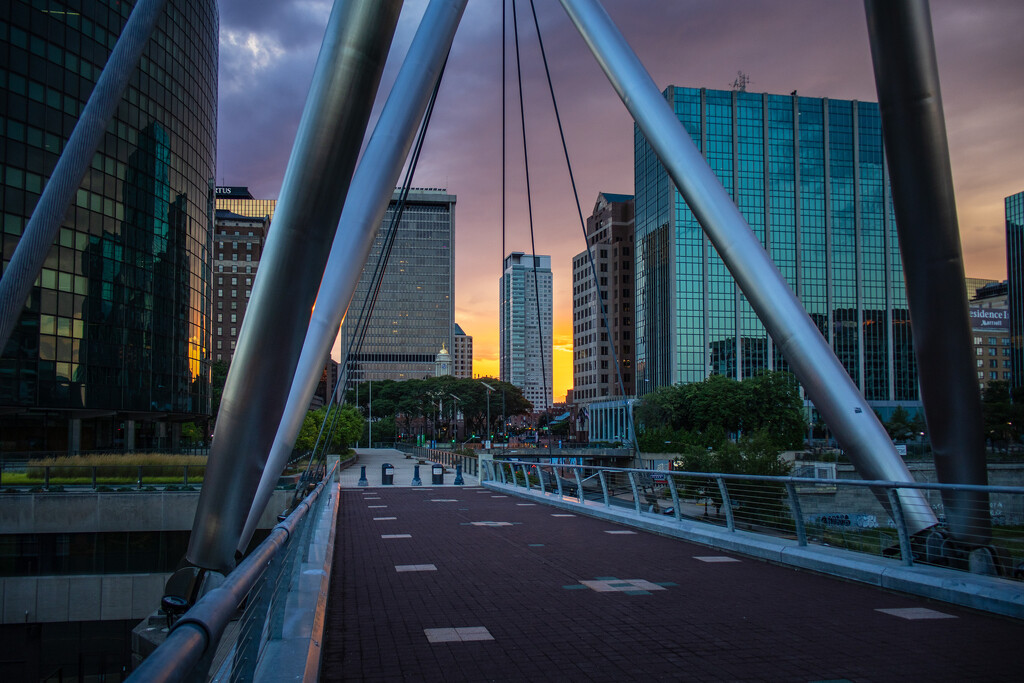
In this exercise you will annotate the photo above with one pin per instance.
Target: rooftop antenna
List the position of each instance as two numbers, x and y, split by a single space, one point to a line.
741 82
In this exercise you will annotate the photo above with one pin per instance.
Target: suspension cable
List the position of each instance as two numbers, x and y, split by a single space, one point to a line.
583 226
529 208
366 311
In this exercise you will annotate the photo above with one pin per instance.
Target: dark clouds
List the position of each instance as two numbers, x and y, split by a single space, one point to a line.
268 49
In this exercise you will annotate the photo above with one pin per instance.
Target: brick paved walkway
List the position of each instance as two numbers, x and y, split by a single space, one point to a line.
460 584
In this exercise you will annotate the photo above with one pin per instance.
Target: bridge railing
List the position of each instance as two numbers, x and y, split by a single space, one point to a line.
259 585
829 512
470 463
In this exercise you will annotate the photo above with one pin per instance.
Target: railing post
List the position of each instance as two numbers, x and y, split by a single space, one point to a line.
558 480
636 494
540 475
604 489
579 483
526 476
798 515
727 504
184 480
140 477
93 477
46 477
675 497
901 526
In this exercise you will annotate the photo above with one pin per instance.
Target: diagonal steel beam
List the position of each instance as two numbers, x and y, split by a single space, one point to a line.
907 79
331 130
372 188
809 355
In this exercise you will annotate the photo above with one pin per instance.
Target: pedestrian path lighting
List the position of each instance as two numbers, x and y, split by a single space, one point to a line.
490 390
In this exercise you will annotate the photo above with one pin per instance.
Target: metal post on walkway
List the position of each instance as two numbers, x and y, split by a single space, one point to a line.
316 183
810 357
37 237
372 188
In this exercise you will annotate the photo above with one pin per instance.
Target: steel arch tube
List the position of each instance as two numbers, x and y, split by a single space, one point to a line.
914 128
824 378
37 238
331 131
372 187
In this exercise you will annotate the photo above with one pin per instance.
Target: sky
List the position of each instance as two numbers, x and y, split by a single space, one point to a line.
268 49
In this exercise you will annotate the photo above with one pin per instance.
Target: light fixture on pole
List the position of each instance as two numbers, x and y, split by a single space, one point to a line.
490 390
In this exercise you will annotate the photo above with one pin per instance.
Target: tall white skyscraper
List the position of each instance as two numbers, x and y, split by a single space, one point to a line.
526 347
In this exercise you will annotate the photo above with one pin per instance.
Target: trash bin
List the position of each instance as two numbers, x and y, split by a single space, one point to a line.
387 474
436 475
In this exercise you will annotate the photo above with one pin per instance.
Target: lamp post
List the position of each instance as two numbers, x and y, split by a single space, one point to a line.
455 415
490 390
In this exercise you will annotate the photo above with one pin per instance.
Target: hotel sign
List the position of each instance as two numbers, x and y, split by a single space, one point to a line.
991 319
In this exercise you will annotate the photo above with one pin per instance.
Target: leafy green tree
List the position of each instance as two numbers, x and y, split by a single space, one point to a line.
347 426
192 434
899 424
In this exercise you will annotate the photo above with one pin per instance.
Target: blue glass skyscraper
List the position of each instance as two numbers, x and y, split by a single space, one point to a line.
809 176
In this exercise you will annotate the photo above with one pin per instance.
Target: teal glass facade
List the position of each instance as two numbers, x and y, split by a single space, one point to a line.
1015 276
809 176
116 330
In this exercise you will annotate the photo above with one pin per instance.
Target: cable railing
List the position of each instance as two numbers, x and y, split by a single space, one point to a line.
200 643
839 513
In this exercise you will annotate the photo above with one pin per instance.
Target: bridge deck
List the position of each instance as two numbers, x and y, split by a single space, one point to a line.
461 584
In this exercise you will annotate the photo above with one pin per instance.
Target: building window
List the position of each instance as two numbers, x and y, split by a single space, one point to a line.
234 317
234 331
977 341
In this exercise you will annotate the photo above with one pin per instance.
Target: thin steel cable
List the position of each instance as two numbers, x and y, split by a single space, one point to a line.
583 226
529 208
369 301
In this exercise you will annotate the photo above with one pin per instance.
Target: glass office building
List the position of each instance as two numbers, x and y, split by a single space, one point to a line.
525 342
1015 278
111 350
809 176
414 312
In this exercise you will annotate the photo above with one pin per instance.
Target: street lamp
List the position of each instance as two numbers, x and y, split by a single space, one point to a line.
455 415
490 390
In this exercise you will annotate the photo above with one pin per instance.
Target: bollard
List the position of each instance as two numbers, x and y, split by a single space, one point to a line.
416 476
436 475
458 475
387 474
362 477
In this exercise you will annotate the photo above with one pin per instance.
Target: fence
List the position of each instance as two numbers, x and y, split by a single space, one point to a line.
775 506
470 463
261 582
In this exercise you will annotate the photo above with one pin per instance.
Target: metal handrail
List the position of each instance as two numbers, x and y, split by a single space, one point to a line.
195 636
784 480
759 503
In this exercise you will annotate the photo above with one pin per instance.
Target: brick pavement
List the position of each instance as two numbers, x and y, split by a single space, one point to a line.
518 594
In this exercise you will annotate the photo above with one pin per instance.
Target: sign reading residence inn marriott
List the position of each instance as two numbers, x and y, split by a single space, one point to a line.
993 319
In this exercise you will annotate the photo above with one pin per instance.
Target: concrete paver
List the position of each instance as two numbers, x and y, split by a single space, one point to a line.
564 600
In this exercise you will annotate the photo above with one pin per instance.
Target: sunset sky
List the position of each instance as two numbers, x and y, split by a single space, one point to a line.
268 49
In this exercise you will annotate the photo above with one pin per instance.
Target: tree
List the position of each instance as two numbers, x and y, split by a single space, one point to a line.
347 425
899 424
